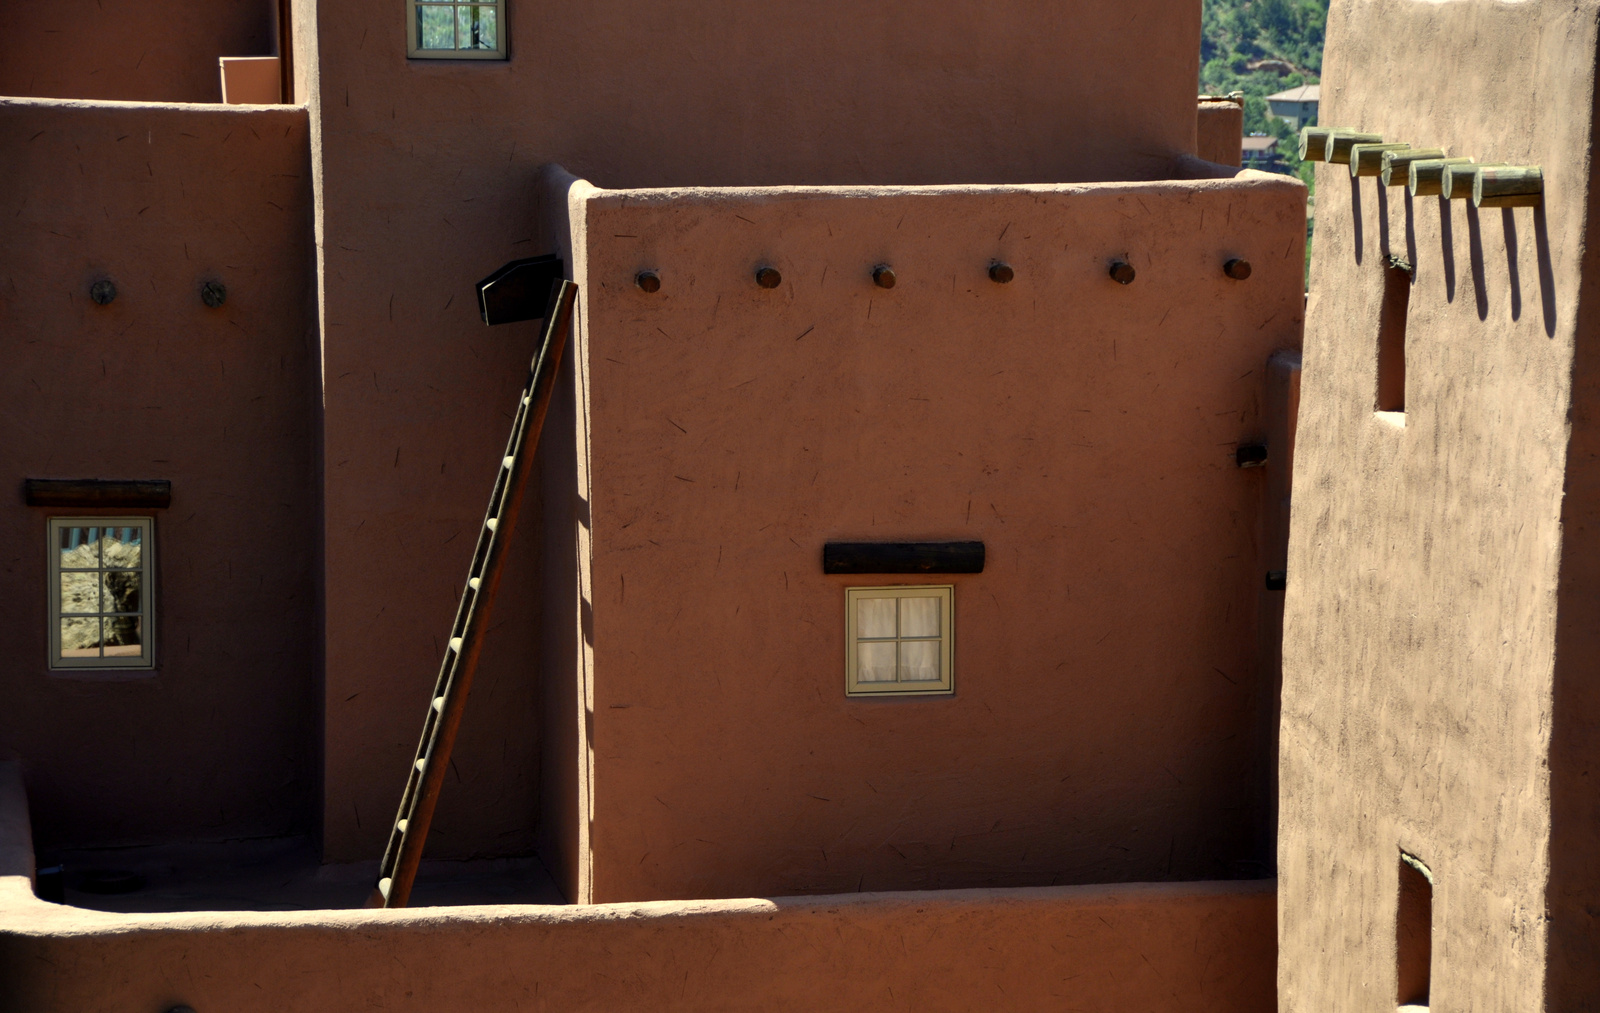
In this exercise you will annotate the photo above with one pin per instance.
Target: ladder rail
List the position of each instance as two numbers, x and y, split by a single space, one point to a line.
409 832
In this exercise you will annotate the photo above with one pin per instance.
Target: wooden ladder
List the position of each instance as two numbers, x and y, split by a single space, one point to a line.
410 830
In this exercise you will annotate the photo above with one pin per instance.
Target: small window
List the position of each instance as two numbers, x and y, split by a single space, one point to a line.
898 640
456 31
101 592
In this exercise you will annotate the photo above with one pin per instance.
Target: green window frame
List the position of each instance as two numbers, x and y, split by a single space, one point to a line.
102 592
456 30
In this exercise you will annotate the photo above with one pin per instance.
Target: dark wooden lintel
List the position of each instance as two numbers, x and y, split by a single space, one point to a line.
148 494
902 557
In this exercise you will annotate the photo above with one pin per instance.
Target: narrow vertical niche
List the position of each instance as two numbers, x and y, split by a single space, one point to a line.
1392 336
1414 932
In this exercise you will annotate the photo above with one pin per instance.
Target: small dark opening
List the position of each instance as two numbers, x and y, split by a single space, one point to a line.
1392 337
1414 932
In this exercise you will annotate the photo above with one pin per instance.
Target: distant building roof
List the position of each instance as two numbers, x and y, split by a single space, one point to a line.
1265 142
1304 93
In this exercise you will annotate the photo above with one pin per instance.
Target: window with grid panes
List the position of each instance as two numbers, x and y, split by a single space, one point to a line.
456 31
101 592
898 640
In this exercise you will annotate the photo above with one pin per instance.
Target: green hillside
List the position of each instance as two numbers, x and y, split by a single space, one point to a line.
1260 47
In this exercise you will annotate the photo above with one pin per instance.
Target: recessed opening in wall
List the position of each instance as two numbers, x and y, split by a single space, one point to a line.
1392 336
1414 932
101 592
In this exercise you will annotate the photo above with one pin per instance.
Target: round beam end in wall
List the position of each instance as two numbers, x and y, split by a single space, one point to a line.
1001 272
1237 268
883 276
103 292
213 294
768 277
648 281
1122 272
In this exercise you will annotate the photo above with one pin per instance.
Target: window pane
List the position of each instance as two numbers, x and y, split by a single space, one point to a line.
80 592
475 27
122 637
874 618
875 662
80 638
121 591
919 660
436 27
122 547
919 617
80 547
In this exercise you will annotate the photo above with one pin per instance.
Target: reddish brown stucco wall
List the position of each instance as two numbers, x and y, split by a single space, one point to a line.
426 183
1221 132
218 740
1106 660
1437 678
148 51
1161 947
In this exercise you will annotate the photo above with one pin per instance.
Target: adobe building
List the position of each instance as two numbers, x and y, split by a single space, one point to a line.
1439 818
866 277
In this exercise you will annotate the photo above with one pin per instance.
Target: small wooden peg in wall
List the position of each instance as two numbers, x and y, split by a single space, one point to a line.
1508 186
648 281
768 277
883 276
1237 268
1122 272
1001 272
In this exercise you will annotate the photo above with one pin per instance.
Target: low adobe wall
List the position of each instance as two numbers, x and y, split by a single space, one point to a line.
1169 948
1104 725
217 741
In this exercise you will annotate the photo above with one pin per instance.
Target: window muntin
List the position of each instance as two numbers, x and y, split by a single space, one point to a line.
898 640
101 592
455 31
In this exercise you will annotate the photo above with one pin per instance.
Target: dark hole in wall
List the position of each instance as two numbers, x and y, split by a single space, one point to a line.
1414 932
1392 337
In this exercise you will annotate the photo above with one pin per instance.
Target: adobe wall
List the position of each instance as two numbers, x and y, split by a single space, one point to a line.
217 741
1194 948
1424 689
1106 660
1161 947
426 184
149 51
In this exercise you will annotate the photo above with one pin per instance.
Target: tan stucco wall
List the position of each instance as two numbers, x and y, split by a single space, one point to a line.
1420 644
217 742
150 51
1106 660
426 184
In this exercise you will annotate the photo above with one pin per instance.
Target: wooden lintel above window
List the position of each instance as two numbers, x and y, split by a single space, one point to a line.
144 494
902 557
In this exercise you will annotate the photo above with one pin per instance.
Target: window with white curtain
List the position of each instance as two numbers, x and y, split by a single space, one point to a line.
455 31
898 640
